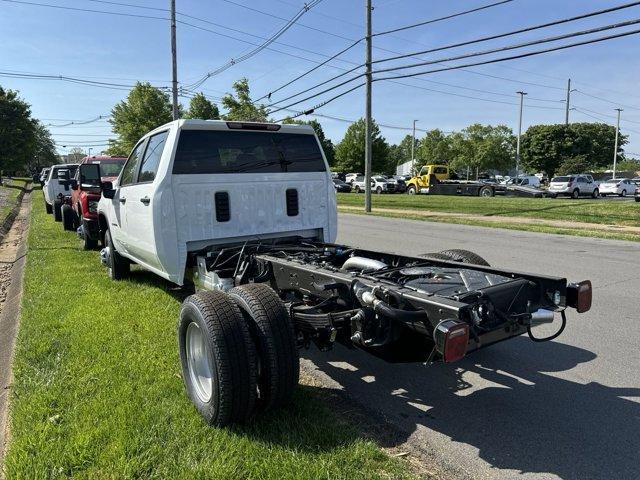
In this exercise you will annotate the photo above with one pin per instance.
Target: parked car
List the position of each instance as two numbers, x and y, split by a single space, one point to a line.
255 235
54 192
338 175
341 186
574 186
400 181
81 213
617 186
350 177
379 184
524 181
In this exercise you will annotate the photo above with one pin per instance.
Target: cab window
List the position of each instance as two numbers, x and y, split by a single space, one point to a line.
151 159
440 170
129 169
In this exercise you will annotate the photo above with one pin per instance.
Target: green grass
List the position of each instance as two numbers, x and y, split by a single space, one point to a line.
602 211
98 393
9 195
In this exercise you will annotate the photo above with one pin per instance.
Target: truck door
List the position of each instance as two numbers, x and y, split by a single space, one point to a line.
138 207
118 227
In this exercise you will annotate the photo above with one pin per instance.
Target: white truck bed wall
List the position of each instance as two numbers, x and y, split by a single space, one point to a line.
187 218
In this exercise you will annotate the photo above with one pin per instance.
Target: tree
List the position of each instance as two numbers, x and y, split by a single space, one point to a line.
546 147
350 151
483 147
327 144
17 132
145 108
201 107
401 153
44 149
240 107
435 147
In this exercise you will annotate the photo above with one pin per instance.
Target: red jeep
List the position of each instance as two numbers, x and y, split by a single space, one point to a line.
81 215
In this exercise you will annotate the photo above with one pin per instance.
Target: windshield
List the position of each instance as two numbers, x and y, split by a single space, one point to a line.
338 181
111 168
561 179
220 151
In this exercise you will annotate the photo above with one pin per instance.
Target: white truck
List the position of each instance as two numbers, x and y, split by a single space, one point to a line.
245 214
54 191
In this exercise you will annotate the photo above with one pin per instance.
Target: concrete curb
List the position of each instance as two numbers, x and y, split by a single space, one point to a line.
9 322
8 220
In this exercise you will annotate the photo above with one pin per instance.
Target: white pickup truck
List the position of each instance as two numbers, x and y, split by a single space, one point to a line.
246 214
54 191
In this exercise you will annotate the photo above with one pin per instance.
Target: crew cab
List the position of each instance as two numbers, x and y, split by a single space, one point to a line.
245 214
81 212
54 191
420 183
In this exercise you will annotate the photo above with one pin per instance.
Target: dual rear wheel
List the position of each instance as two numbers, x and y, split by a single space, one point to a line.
238 353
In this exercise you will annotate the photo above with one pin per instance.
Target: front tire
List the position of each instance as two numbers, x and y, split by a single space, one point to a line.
67 218
596 193
379 190
485 192
218 358
411 190
624 193
272 331
117 266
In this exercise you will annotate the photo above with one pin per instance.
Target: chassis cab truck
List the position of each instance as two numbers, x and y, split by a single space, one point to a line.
420 183
245 215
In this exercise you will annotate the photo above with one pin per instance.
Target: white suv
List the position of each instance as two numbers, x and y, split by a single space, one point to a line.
574 186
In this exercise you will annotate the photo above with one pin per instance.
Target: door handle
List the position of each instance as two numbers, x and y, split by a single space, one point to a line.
122 200
145 200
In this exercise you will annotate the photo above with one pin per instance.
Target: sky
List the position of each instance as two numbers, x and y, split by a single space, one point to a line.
121 49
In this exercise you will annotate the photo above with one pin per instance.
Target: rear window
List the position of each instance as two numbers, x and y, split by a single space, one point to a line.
72 171
440 170
561 179
611 181
215 151
111 168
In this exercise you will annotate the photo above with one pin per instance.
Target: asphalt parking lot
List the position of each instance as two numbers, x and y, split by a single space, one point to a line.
564 409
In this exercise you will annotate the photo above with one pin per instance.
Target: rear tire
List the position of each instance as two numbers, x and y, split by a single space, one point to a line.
67 217
596 193
48 208
486 192
218 358
575 193
462 256
57 211
357 189
117 266
274 337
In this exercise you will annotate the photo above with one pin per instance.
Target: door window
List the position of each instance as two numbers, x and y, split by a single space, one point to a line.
152 157
129 170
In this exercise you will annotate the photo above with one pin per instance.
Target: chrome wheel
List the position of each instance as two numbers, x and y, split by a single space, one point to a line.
199 362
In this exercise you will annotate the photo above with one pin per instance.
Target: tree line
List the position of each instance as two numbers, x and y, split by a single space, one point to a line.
554 149
25 143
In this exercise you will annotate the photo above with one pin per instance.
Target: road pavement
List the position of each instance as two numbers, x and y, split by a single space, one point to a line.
565 409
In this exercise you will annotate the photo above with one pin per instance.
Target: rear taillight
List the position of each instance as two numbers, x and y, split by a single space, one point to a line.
579 296
570 184
451 338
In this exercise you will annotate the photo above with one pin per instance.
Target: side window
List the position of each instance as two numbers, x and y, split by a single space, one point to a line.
129 169
152 157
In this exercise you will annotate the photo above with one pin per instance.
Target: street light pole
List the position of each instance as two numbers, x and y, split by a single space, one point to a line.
615 148
174 62
566 115
367 142
522 94
413 149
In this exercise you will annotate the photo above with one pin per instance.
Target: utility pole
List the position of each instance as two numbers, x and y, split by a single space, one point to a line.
367 115
615 148
566 114
522 94
413 149
174 61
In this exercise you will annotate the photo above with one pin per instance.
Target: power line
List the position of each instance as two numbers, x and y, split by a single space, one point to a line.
64 78
607 115
606 100
447 17
90 10
456 67
82 122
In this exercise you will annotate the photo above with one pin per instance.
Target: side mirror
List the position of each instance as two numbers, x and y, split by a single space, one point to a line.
89 175
107 190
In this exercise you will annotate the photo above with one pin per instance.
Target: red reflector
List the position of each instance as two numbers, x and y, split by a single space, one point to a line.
579 296
451 338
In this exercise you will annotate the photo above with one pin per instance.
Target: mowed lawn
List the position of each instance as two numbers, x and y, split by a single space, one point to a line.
98 394
604 211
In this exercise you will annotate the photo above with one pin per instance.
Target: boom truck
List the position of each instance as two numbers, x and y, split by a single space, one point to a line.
244 215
